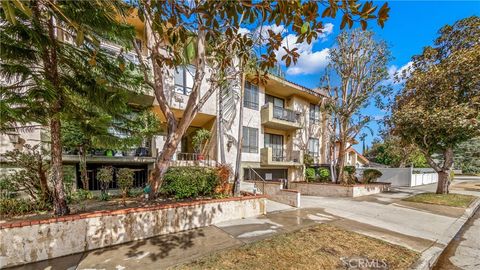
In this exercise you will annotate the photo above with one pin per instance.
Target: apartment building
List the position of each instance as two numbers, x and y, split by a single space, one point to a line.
282 122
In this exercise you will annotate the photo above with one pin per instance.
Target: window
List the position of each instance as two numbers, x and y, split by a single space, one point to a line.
313 147
184 79
277 102
314 114
275 142
250 140
251 96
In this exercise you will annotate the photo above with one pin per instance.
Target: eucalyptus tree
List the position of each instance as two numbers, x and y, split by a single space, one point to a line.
191 32
439 105
42 70
359 63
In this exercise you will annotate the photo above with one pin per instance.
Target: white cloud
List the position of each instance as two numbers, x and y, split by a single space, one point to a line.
242 30
327 30
394 70
310 63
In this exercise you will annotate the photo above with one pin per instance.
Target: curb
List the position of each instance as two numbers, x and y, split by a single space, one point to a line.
429 257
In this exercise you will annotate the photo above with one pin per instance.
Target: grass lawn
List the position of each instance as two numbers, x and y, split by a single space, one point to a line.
318 247
452 199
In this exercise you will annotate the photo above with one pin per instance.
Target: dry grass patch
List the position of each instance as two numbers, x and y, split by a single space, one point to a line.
318 247
452 199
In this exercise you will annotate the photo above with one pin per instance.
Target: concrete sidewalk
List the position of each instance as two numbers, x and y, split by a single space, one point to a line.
424 228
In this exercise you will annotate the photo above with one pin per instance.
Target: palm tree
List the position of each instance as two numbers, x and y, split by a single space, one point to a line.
44 72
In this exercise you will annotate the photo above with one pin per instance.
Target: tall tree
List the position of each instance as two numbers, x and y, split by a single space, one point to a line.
42 70
188 32
439 105
391 151
359 63
467 156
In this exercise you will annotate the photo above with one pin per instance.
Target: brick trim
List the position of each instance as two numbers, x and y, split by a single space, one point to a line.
100 213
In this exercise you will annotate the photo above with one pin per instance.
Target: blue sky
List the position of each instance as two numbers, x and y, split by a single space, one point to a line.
411 26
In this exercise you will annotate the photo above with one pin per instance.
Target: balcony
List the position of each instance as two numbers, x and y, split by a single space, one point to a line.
280 118
292 158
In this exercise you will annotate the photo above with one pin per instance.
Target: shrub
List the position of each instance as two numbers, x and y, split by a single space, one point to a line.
189 182
105 177
371 175
350 170
310 174
7 188
81 195
125 181
224 172
16 207
323 175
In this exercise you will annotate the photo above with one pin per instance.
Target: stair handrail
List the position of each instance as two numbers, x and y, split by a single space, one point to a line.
261 178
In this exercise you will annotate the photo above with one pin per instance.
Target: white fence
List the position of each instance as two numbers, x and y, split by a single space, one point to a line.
406 177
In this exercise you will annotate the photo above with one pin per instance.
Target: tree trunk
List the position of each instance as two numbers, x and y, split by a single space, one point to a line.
60 206
443 182
220 127
46 193
163 161
83 167
236 186
341 162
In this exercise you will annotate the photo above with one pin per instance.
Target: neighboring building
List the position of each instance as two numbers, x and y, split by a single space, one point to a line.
352 156
281 122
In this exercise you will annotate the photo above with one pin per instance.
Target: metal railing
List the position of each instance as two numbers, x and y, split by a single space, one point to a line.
250 169
192 159
284 157
285 114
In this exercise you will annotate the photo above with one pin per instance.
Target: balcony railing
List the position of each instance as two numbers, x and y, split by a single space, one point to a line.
285 114
284 158
192 159
279 117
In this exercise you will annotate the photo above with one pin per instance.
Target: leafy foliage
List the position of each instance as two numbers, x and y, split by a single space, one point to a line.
190 182
200 138
323 175
209 35
392 152
16 207
105 177
310 174
32 175
467 156
441 95
224 172
371 175
125 178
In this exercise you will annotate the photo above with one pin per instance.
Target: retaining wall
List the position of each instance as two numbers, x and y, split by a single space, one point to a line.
275 192
30 241
335 190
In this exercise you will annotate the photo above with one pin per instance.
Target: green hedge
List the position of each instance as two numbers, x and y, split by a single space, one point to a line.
189 182
371 175
310 174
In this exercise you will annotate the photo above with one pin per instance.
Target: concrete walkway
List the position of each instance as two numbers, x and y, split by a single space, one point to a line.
424 228
464 250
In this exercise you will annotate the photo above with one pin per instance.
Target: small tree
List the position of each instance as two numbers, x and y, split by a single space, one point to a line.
439 106
467 156
206 34
200 139
395 153
33 174
360 62
105 177
125 181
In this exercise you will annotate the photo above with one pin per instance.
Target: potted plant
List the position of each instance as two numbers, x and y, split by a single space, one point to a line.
105 177
199 140
125 181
